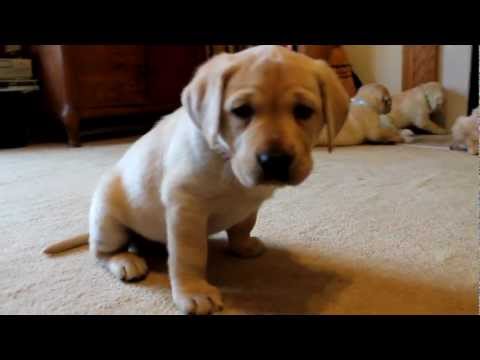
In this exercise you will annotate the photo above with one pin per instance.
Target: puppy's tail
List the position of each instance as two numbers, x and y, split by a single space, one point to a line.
66 244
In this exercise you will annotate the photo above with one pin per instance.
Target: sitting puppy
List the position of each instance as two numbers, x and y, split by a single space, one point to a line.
416 106
465 133
366 120
247 127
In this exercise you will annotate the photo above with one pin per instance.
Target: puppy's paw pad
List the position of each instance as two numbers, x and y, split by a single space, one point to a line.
128 267
198 299
253 247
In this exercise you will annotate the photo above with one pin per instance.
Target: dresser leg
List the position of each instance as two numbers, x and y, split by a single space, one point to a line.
71 121
73 133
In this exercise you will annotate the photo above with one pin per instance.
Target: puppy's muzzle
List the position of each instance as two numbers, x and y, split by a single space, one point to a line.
275 166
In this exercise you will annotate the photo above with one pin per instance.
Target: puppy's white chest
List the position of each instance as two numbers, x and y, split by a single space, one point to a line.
231 210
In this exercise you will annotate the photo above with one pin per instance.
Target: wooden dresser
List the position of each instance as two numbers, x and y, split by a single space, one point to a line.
86 82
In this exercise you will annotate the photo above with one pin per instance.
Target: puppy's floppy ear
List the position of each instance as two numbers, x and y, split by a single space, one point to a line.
334 98
203 97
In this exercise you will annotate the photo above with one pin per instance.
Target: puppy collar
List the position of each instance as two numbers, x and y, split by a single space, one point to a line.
222 148
225 156
362 102
224 153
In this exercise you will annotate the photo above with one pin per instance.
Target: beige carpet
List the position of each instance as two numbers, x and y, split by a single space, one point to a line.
374 230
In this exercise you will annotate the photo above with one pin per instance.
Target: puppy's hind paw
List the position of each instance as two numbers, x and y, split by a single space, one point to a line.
128 267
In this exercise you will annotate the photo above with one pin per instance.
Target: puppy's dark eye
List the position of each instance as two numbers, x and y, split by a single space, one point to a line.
302 112
244 112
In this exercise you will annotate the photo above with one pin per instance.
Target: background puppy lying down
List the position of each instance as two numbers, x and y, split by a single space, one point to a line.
416 107
366 121
247 127
465 133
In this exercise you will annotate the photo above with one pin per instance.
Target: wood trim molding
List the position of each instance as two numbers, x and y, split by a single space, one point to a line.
420 65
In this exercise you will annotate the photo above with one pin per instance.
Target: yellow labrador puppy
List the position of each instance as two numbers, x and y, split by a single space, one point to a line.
366 120
465 133
416 106
247 127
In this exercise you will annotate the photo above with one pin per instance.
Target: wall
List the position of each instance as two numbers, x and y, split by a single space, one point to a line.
378 63
455 77
383 64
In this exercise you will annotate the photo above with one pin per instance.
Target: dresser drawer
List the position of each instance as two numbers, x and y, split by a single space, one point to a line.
178 64
88 58
110 90
94 81
108 76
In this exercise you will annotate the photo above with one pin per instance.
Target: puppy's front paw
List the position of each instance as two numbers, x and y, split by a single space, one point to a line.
407 135
250 248
127 266
197 298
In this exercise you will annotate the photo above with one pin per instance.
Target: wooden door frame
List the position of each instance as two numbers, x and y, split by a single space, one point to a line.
420 65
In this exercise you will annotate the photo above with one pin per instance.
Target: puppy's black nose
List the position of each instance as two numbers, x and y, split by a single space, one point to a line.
275 165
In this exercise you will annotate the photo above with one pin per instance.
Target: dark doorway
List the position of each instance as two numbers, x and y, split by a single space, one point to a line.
474 84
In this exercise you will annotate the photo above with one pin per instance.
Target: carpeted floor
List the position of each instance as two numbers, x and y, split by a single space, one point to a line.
374 230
